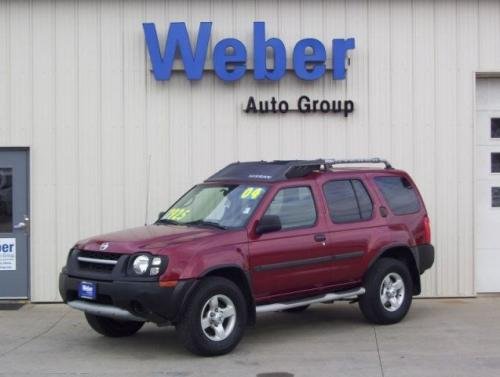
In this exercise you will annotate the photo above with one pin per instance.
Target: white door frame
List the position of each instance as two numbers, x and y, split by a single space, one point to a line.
477 74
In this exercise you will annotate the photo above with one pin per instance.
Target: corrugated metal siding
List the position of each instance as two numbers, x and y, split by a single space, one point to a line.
75 86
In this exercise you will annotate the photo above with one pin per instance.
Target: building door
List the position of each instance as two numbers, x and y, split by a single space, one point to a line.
14 224
487 188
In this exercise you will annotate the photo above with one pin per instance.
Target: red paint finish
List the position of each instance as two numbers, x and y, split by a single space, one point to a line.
287 263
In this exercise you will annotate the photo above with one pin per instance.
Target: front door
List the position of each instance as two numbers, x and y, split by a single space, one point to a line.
14 224
487 190
295 258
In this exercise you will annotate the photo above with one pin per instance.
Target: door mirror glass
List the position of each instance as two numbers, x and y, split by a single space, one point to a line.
268 223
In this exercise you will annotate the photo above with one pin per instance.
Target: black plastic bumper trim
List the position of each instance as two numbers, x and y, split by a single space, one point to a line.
425 257
144 299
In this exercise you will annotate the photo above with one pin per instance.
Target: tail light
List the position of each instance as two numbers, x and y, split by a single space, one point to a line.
427 230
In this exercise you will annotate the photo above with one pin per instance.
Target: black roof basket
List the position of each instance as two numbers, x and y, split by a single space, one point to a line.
280 170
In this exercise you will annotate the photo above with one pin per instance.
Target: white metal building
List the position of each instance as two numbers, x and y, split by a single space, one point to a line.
78 100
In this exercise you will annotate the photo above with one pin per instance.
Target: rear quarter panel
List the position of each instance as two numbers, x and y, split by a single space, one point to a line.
405 229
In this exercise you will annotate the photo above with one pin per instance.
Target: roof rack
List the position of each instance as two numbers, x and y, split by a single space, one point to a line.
374 160
279 170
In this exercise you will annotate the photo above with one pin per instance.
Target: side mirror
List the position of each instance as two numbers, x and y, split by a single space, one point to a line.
268 223
161 214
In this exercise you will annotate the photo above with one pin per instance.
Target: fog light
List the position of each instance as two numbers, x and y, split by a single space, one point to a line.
154 271
156 261
141 264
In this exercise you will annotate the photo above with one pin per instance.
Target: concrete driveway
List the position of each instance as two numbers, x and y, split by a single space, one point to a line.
447 337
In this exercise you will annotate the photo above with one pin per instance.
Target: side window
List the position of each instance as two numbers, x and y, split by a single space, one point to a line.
399 194
364 201
347 201
294 206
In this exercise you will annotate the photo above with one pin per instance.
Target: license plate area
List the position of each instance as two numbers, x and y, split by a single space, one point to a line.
87 290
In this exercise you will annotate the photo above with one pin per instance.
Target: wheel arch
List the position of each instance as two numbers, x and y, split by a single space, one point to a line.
238 276
405 254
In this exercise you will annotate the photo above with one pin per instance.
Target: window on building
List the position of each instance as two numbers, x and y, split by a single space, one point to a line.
495 162
294 206
399 194
5 200
495 128
347 201
495 196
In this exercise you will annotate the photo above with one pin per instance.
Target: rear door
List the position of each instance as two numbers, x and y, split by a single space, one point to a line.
294 259
352 224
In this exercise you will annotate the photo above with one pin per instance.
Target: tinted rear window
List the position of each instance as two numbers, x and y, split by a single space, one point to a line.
399 194
347 201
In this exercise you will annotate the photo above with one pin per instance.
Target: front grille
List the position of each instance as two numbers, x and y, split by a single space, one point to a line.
97 261
95 267
99 255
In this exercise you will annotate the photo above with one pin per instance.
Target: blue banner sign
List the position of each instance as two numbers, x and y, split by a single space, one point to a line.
230 54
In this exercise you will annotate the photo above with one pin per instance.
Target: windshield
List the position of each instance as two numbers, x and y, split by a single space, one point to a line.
222 206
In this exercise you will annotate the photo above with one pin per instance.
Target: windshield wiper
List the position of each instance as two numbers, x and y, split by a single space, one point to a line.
206 223
168 222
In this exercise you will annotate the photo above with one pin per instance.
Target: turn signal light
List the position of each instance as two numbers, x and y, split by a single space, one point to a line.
168 283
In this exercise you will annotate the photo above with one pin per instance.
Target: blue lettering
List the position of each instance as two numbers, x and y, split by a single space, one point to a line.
260 46
340 48
178 40
230 54
309 66
237 58
6 248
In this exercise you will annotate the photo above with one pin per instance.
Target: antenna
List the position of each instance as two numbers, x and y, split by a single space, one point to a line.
148 174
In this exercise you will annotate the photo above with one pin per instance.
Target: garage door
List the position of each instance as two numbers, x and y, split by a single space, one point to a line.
487 188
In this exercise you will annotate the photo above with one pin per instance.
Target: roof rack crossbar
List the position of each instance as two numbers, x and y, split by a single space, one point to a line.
375 160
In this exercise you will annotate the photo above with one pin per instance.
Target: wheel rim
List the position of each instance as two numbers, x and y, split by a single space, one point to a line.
218 317
392 292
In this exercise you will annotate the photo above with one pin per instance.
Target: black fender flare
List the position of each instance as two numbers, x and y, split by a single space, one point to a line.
413 260
222 271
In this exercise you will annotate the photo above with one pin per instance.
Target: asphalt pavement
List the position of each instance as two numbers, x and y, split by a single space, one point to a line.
439 337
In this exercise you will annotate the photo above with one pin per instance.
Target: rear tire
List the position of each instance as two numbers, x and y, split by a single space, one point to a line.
298 309
389 288
215 318
112 327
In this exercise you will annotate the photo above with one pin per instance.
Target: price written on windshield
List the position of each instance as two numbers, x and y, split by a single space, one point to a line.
252 193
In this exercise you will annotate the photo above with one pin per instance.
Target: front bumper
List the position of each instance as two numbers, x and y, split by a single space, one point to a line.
144 300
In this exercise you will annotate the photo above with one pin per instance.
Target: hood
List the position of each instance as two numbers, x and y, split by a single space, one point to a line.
145 238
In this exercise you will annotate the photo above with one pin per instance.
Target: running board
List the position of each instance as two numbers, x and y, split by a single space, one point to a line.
104 310
350 294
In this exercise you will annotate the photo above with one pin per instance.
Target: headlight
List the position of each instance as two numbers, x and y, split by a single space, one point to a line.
146 265
141 264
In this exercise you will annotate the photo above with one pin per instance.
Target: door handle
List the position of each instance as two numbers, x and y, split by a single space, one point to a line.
319 237
20 225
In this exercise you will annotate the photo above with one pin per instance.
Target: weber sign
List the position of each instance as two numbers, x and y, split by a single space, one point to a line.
7 254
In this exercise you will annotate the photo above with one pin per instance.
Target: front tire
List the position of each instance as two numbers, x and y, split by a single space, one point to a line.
215 318
388 296
112 327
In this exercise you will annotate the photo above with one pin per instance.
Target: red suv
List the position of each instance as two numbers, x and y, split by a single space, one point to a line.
257 237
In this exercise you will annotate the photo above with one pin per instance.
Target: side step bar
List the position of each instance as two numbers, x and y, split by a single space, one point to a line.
350 294
104 310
